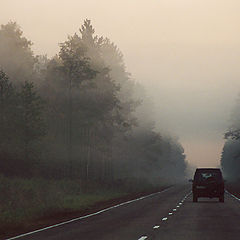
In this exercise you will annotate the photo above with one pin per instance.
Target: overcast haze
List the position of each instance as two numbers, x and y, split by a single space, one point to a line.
185 52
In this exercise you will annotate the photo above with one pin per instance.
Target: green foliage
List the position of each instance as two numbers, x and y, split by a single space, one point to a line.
75 64
230 159
31 123
7 106
16 56
80 115
21 126
25 200
76 127
31 108
8 123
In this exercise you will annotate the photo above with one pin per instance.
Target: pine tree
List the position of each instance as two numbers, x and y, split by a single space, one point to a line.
31 123
7 108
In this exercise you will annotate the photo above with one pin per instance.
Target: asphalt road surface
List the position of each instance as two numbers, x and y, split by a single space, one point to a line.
169 215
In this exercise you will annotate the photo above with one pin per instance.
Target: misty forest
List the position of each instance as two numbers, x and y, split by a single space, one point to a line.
73 125
230 159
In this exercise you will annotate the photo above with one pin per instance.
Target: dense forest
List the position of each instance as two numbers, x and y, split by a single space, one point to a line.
230 160
78 115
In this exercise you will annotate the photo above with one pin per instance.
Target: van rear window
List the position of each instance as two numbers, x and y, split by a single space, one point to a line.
202 176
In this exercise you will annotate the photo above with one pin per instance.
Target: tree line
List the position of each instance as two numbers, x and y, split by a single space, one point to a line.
79 114
230 159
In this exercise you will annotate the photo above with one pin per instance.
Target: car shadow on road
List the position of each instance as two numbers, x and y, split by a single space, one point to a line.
204 201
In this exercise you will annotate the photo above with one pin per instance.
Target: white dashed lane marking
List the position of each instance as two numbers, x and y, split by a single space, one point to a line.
170 213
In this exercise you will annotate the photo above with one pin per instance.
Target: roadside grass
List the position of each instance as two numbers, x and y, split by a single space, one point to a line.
86 201
23 201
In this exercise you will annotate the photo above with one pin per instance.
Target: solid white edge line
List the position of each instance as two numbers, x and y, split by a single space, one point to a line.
232 195
143 238
87 216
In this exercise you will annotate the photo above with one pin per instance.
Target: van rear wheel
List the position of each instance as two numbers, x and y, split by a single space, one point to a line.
221 198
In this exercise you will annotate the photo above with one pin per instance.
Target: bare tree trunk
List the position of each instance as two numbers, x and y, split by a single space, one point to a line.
88 152
70 126
111 163
81 149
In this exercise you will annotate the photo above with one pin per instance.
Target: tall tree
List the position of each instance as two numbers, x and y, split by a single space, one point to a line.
8 108
230 159
16 56
75 70
32 126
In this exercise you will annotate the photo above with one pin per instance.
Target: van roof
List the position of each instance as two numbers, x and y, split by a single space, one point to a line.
212 169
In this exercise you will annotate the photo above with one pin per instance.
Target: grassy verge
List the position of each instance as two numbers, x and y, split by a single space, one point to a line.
24 201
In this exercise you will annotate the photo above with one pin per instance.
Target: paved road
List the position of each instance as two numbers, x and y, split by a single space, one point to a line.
170 215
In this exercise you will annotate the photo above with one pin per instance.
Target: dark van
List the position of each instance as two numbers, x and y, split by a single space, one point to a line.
208 182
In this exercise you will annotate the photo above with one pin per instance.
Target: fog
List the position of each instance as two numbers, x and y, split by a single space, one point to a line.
185 53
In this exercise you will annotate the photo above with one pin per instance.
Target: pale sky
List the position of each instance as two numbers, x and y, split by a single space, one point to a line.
185 52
